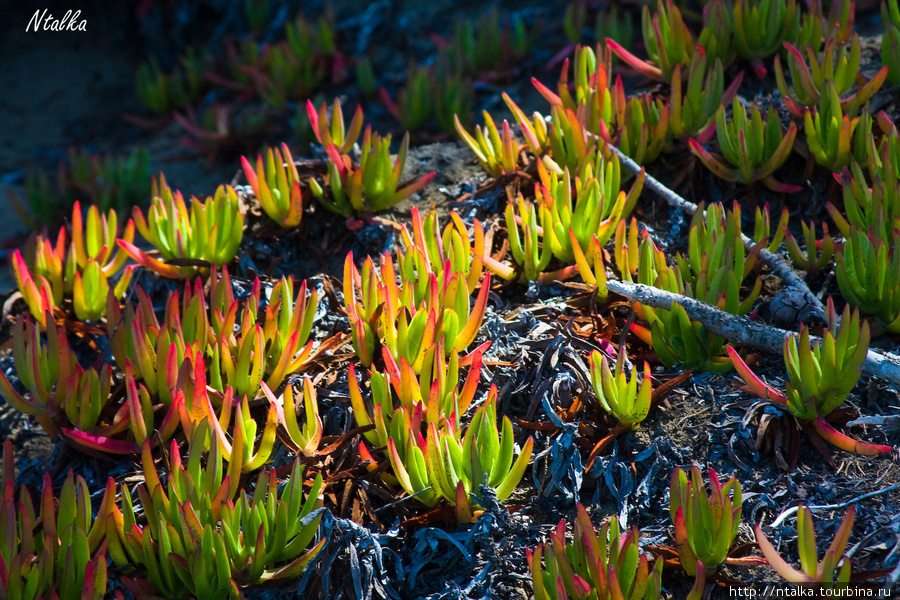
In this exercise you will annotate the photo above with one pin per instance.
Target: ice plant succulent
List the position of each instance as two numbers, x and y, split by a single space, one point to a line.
753 149
58 550
335 134
164 92
436 247
829 131
589 205
276 185
60 393
497 153
530 256
198 541
821 376
839 65
762 26
408 318
811 570
592 99
713 271
697 95
867 208
593 565
571 145
763 230
305 439
210 231
452 98
642 125
818 252
111 181
890 42
618 396
488 43
373 185
434 392
868 274
716 36
46 272
668 41
441 465
413 106
706 522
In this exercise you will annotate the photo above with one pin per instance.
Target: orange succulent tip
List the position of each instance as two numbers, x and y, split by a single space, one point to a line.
365 455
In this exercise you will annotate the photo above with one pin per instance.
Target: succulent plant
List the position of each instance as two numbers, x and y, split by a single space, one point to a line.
571 145
890 41
489 43
593 101
210 231
277 185
829 131
713 271
821 376
48 271
441 465
199 542
697 95
717 35
642 126
57 551
869 208
164 92
373 185
762 26
763 230
414 105
530 256
668 41
335 133
839 65
617 395
890 52
435 247
754 149
812 571
408 318
626 248
60 393
288 70
435 392
614 23
603 565
306 439
498 154
868 274
706 523
818 252
590 205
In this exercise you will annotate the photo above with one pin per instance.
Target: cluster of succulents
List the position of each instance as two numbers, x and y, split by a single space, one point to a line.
46 271
821 375
108 182
215 373
609 563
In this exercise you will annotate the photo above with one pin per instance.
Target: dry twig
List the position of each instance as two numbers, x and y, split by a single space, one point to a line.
775 262
742 330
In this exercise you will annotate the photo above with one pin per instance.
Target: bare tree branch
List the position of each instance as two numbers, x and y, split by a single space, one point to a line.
741 330
775 262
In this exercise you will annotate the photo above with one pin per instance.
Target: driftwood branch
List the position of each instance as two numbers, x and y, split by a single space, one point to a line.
775 262
741 330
